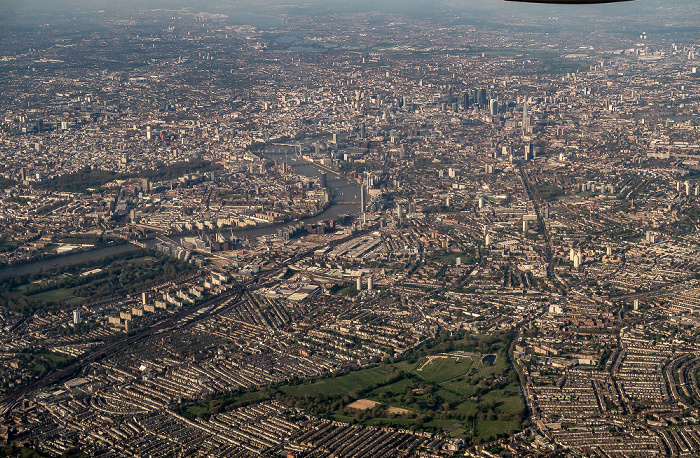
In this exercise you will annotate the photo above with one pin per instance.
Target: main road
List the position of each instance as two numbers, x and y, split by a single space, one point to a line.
548 244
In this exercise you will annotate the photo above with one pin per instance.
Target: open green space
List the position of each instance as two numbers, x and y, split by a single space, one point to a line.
38 365
442 368
493 428
75 301
547 191
348 290
340 386
8 245
438 390
60 294
119 275
224 403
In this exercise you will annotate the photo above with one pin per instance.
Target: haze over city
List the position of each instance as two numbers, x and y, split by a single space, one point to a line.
349 228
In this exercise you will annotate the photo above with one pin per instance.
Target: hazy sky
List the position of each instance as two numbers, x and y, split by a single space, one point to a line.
339 5
670 12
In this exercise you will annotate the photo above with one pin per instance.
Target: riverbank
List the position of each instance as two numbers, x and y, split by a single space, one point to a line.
66 260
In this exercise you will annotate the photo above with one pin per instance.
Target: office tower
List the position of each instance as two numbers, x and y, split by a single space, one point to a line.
482 100
324 179
76 317
148 132
363 204
493 106
363 131
465 100
526 118
359 284
525 226
399 212
481 203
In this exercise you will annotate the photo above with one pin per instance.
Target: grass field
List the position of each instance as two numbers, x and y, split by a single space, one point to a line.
55 294
54 358
8 245
442 368
490 429
440 424
394 388
75 301
340 386
203 409
507 399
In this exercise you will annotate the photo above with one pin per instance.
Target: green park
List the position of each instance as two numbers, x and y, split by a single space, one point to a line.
460 393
